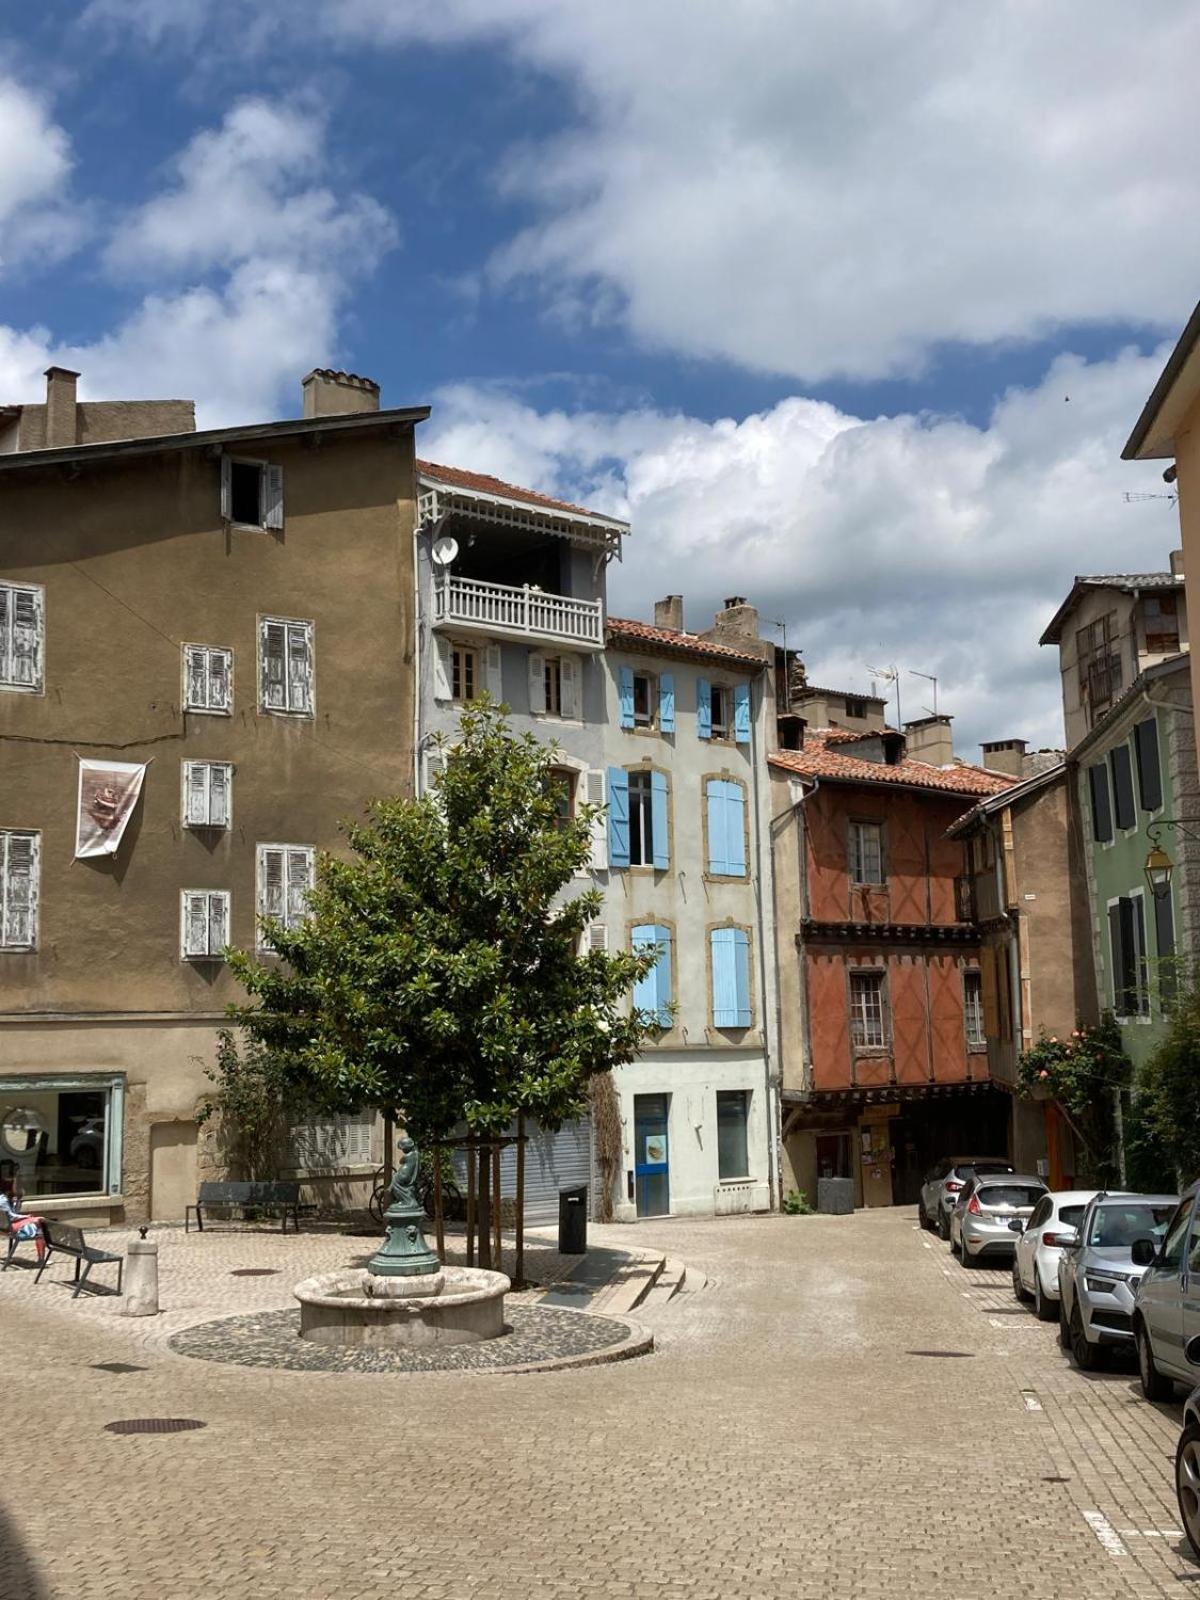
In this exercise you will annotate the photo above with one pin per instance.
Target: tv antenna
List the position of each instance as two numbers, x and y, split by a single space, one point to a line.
890 675
1131 496
929 678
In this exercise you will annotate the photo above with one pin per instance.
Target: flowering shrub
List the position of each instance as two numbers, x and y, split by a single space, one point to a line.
1084 1074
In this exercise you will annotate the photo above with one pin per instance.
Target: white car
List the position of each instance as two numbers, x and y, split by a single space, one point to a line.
1054 1223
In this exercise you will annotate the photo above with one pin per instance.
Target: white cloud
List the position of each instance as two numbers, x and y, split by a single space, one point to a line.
925 541
827 188
35 165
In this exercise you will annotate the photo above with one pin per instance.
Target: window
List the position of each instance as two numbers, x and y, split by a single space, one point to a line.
286 652
1122 781
207 794
1160 616
973 1006
643 700
207 679
653 992
561 783
204 918
719 715
1127 944
721 712
22 629
1098 652
1040 1213
20 863
733 1115
856 709
60 1137
251 493
1145 743
866 1010
638 833
1176 1232
285 875
866 852
1102 829
464 673
343 1141
726 820
554 686
729 949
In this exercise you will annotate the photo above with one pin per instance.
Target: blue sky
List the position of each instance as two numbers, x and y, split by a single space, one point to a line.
847 306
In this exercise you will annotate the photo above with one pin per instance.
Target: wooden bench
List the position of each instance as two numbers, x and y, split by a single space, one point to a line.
65 1240
281 1197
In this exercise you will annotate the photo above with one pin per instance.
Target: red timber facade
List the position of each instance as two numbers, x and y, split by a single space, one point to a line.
885 1064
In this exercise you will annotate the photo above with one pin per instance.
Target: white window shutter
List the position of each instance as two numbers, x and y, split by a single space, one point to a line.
270 886
300 696
493 668
537 683
195 793
220 785
443 688
597 936
220 679
196 670
299 882
572 699
272 496
195 924
218 922
226 489
595 797
19 862
27 637
274 666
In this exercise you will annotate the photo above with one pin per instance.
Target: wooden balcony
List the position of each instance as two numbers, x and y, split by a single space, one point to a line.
508 611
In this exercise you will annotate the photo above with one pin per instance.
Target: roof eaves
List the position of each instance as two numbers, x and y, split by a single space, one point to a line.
623 634
1167 379
1007 797
1124 582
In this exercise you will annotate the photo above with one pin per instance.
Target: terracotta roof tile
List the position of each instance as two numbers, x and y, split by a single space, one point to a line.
818 761
624 630
483 483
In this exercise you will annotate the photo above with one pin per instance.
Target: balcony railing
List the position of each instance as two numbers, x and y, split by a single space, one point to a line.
517 612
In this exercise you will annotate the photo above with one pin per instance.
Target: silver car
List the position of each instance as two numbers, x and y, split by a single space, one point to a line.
1098 1274
943 1184
1166 1315
981 1222
1187 1456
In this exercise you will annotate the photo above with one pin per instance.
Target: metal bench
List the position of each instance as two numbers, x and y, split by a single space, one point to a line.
64 1240
281 1197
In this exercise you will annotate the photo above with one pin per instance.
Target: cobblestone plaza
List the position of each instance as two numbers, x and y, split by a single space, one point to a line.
841 1411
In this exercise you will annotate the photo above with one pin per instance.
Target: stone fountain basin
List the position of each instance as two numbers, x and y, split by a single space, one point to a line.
337 1309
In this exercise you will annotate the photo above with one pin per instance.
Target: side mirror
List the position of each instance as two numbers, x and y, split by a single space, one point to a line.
1066 1240
1017 1225
1192 1351
1144 1252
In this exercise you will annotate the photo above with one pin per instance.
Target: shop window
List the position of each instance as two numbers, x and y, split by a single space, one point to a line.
57 1140
733 1151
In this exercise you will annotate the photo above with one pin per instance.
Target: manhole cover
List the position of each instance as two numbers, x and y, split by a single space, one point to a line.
117 1366
255 1272
154 1425
946 1355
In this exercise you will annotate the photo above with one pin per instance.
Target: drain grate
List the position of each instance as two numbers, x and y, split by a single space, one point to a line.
945 1355
1056 1480
154 1425
1004 1311
255 1272
117 1366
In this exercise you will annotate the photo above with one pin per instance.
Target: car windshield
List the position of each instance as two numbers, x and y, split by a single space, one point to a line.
1070 1215
1009 1194
1116 1227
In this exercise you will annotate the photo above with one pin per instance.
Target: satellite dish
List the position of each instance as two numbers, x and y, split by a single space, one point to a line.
444 551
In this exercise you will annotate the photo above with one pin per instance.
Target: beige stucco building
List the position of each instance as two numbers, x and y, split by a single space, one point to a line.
232 609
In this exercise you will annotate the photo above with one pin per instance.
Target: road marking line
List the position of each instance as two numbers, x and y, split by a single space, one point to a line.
1106 1533
1151 1533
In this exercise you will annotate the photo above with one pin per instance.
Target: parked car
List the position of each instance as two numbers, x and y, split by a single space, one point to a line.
1187 1456
1166 1312
1055 1220
1098 1274
981 1222
943 1184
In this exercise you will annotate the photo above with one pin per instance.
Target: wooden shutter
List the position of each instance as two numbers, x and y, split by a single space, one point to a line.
716 826
220 785
703 708
195 793
666 703
618 817
299 882
493 668
1164 944
1122 774
991 1009
741 713
220 680
196 677
19 861
218 922
625 686
598 936
537 683
659 820
662 972
271 882
595 797
194 935
1102 830
226 489
724 977
443 681
645 990
735 829
1145 739
27 638
274 666
299 688
272 496
572 697
1117 958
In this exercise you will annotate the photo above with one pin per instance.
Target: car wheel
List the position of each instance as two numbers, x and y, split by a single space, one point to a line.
964 1255
1044 1308
1019 1289
943 1226
1154 1385
1087 1355
1187 1482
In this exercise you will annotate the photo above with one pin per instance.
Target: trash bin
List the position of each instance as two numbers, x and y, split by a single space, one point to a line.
572 1220
835 1196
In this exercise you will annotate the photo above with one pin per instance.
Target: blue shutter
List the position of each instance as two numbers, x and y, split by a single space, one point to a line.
666 703
645 990
625 680
724 980
741 975
618 817
703 708
717 861
658 820
735 829
662 972
741 713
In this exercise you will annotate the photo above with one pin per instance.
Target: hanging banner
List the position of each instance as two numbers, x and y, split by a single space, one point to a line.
108 792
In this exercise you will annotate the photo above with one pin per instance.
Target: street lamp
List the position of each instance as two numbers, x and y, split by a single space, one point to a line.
1159 868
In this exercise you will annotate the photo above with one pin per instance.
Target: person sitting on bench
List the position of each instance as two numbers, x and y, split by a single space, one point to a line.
24 1226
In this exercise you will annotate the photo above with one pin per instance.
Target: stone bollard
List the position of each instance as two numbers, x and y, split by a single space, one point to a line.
141 1278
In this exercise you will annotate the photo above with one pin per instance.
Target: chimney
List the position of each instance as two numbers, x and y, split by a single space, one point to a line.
332 394
737 620
61 428
1005 755
1177 563
929 739
668 613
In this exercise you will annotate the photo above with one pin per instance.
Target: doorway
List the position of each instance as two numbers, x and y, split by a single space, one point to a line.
833 1155
172 1169
651 1156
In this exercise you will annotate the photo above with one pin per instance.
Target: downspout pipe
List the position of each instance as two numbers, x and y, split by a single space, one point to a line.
776 822
766 863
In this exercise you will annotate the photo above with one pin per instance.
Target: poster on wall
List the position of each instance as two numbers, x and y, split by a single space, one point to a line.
108 792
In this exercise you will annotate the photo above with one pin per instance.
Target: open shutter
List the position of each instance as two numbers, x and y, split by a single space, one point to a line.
658 820
1102 830
1145 738
299 667
741 976
724 981
195 924
272 496
625 684
226 489
595 797
1117 958
195 793
443 685
666 703
1139 974
717 861
735 829
618 817
6 608
572 698
493 666
1122 776
27 637
218 923
537 683
274 666
18 886
703 708
1164 942
741 713
219 785
299 881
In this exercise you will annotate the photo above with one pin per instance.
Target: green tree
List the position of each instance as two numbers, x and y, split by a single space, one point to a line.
1086 1075
1168 1090
252 1106
443 970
